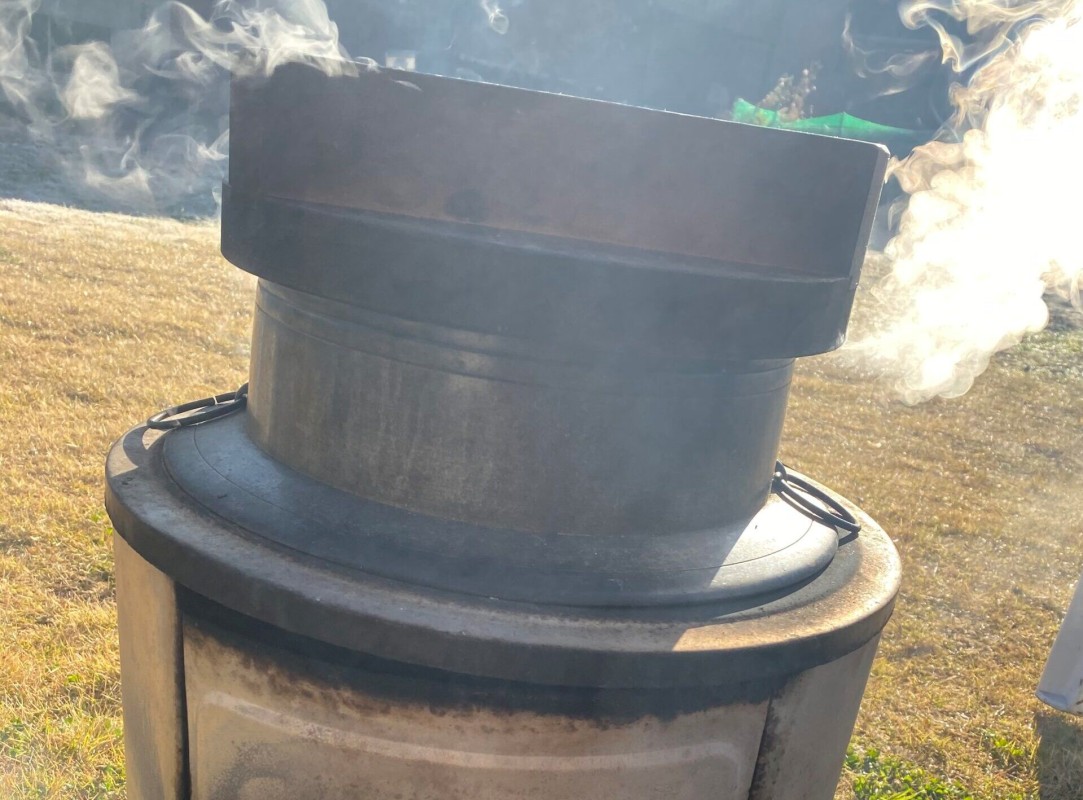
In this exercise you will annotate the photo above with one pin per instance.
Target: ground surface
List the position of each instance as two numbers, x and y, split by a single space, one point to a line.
105 319
979 495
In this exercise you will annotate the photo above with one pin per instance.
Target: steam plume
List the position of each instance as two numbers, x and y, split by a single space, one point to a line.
993 220
894 70
498 20
144 121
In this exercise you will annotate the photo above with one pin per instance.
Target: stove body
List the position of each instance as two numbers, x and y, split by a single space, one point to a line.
497 520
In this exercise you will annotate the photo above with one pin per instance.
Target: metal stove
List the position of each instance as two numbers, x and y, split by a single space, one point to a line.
499 514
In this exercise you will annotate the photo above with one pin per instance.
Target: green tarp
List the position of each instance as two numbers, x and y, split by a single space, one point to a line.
842 124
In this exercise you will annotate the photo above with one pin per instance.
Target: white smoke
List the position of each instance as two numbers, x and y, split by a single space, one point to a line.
868 63
144 119
20 78
498 20
993 220
93 87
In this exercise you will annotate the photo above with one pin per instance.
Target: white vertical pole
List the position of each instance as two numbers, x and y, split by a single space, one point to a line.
1061 685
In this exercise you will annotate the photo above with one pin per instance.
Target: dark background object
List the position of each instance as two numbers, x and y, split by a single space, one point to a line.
692 56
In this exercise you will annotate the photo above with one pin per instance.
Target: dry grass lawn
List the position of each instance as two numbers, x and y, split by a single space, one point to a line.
105 319
980 496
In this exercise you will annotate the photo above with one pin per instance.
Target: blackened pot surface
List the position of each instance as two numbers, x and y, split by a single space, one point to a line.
506 433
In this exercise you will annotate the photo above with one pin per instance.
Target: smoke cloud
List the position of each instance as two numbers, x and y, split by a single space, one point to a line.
498 20
144 120
992 222
896 67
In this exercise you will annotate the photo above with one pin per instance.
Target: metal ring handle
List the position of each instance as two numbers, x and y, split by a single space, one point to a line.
202 410
802 494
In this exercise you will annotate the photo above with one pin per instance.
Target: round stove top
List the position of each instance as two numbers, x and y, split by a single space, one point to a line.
776 595
219 468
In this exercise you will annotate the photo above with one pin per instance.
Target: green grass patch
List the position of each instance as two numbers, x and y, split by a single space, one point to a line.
878 776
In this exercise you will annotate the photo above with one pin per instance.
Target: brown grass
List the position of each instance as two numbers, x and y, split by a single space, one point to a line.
105 319
979 495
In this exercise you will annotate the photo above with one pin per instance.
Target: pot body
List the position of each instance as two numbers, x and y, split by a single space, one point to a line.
507 433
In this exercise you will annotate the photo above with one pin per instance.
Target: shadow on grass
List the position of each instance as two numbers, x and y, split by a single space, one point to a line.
1059 756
